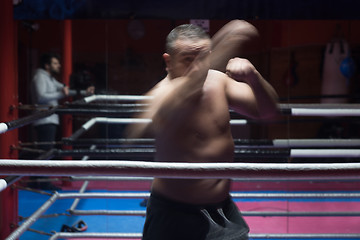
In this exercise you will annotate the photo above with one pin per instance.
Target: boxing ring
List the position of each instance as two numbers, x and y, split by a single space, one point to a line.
291 199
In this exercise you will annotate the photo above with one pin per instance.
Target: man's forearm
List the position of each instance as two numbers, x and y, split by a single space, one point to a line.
266 96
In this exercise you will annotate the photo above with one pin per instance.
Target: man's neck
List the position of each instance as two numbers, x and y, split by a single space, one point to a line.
51 74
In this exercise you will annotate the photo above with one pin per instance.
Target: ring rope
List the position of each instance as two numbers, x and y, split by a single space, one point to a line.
283 106
323 110
100 97
178 170
66 235
7 126
317 97
14 235
244 213
239 143
240 153
148 179
107 105
339 111
116 98
7 181
141 195
25 225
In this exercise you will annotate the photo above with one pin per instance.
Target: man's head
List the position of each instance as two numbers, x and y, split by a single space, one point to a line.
51 63
184 44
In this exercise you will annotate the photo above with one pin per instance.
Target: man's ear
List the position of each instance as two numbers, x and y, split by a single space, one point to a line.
47 67
167 59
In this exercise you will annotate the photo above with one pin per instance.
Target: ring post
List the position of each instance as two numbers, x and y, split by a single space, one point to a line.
8 99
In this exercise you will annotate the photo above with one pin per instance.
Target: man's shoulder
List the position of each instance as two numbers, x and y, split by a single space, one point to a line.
165 83
216 73
217 76
40 73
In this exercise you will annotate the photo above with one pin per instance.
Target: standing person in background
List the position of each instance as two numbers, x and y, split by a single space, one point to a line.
46 91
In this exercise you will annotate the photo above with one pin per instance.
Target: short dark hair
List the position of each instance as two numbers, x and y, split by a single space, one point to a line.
186 31
46 59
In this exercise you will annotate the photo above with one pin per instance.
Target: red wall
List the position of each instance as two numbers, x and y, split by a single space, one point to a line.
127 60
123 65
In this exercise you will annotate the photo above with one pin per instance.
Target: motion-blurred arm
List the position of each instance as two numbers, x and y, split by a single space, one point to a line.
231 41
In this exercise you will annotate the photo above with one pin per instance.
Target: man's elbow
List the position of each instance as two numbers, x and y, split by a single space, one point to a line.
272 115
268 114
243 30
42 100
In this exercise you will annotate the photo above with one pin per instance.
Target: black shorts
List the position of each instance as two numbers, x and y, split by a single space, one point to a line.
171 220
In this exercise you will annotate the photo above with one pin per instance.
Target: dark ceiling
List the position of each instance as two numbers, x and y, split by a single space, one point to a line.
187 9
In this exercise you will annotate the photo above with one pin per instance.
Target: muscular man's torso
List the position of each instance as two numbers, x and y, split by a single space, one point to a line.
203 136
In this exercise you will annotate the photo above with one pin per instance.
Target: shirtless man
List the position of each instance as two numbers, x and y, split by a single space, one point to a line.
190 123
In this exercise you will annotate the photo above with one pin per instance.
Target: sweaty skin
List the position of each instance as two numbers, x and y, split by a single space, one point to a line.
190 116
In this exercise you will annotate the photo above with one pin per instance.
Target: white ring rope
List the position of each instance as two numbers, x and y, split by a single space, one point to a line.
92 121
296 109
98 235
104 97
116 98
177 170
325 153
140 195
325 112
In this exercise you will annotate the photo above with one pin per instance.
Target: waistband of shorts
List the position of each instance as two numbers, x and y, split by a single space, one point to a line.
158 197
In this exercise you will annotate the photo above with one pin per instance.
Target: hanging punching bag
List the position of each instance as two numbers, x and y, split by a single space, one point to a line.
336 71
